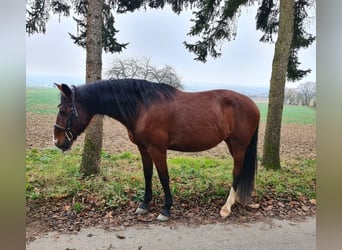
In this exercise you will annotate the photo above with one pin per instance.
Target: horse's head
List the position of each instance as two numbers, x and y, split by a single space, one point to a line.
71 119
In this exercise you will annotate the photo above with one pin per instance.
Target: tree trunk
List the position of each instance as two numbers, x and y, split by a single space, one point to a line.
91 157
271 153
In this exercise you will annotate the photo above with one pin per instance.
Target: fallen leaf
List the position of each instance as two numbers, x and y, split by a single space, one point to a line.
305 208
280 204
109 215
313 201
255 205
66 208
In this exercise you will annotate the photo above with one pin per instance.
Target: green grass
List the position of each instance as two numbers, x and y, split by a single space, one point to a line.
296 178
292 114
52 174
42 100
204 177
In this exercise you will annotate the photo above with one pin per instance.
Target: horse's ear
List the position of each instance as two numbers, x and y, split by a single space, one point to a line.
65 90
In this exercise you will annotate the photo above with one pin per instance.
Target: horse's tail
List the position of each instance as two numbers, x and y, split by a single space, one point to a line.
248 171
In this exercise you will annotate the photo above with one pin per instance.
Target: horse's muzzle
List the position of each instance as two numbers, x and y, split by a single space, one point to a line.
66 145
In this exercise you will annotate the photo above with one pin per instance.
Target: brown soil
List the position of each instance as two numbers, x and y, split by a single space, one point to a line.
296 141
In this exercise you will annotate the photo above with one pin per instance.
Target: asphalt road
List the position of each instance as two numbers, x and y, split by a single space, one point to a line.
273 234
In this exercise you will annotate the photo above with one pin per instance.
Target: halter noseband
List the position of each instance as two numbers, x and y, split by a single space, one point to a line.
74 113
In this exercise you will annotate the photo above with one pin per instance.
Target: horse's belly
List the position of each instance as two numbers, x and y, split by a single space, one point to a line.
192 136
193 144
183 148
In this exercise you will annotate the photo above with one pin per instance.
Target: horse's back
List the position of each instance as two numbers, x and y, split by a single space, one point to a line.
218 102
201 120
194 121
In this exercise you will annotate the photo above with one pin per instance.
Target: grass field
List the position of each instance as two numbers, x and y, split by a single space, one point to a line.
45 100
50 174
42 100
292 114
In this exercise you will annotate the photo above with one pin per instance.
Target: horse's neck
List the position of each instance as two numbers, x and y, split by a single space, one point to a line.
107 107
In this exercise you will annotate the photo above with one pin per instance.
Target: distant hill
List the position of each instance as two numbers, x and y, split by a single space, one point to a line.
252 91
47 81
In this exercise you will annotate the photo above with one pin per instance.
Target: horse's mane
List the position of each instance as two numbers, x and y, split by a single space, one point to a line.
122 97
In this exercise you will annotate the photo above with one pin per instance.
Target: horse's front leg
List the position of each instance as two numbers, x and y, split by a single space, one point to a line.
148 172
159 159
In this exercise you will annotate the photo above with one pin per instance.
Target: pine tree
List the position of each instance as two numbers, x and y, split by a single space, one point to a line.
95 21
215 22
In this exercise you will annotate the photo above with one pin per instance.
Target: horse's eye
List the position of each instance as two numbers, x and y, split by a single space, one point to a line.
62 110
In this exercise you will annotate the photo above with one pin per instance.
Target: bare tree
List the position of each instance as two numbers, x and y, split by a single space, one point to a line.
307 91
291 96
142 68
168 75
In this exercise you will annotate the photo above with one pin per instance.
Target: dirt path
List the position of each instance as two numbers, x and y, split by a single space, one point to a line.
273 234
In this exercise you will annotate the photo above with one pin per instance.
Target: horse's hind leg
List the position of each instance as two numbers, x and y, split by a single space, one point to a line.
226 208
238 156
148 172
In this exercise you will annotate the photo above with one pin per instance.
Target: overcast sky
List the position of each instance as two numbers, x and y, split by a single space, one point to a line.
159 35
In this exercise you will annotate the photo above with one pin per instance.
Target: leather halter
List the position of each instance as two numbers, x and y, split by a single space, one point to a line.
67 129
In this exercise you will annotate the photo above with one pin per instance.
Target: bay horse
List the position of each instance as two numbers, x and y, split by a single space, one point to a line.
159 117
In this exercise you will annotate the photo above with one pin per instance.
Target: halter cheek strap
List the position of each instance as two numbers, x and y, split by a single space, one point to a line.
67 130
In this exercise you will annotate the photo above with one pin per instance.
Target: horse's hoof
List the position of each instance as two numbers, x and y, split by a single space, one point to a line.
162 217
224 213
141 211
